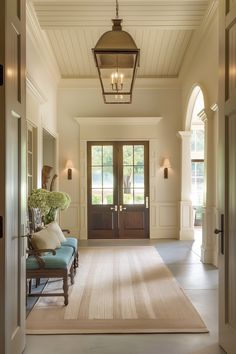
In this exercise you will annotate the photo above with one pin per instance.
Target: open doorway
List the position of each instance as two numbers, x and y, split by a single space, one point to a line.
197 165
49 174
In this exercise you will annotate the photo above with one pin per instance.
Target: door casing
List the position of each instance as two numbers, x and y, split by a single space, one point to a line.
119 220
12 177
227 177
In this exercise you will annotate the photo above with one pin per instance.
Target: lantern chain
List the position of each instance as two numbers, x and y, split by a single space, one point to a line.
117 9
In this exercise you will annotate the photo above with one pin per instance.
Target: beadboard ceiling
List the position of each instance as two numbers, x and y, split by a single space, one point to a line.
162 29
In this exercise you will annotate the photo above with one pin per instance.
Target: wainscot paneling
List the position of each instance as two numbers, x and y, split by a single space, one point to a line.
164 220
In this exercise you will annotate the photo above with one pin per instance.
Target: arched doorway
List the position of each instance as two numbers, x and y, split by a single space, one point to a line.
197 164
194 128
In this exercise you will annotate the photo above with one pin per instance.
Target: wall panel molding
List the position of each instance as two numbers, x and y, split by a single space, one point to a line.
69 219
164 220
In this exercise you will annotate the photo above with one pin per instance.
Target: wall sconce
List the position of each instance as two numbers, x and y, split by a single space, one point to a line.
166 165
69 166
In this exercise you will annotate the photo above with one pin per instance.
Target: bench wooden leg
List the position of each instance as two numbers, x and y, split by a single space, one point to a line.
65 289
76 261
72 274
30 286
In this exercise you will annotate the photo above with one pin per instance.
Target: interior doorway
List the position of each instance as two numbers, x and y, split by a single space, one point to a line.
49 174
197 165
118 190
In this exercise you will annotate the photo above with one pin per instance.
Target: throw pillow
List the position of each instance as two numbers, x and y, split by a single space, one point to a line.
44 240
55 229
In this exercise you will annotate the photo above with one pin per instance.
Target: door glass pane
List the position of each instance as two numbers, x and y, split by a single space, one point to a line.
128 155
30 163
96 155
128 177
133 174
30 140
128 196
108 155
139 155
96 196
139 176
138 196
197 183
107 196
108 177
102 174
96 177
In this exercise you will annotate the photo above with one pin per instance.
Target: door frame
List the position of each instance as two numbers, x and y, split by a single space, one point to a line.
83 205
115 217
227 108
159 227
13 121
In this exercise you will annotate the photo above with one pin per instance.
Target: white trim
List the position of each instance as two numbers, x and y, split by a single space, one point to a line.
203 115
214 107
199 36
182 134
40 41
35 89
55 135
118 120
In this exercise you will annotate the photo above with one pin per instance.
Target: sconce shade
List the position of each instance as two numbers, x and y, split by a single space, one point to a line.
117 57
166 163
69 164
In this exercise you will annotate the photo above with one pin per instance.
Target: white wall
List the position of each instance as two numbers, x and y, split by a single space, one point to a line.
201 67
41 96
164 102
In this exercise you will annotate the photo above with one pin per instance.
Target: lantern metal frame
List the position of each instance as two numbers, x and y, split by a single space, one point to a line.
109 47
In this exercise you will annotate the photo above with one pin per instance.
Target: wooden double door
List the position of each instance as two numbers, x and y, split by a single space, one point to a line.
118 190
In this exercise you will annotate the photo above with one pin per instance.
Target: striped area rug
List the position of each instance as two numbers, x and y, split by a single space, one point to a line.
117 290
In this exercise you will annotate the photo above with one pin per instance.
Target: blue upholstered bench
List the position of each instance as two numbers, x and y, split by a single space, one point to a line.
51 263
57 263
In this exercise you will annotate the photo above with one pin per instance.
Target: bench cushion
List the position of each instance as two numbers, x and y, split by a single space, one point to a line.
71 242
59 261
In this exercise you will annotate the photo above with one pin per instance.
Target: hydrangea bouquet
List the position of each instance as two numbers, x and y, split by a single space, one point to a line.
48 202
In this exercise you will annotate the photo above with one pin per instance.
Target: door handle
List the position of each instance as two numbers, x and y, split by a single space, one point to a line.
221 231
122 208
217 231
114 208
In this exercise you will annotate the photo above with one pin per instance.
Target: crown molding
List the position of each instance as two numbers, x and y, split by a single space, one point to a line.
140 83
118 120
40 42
33 87
184 134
